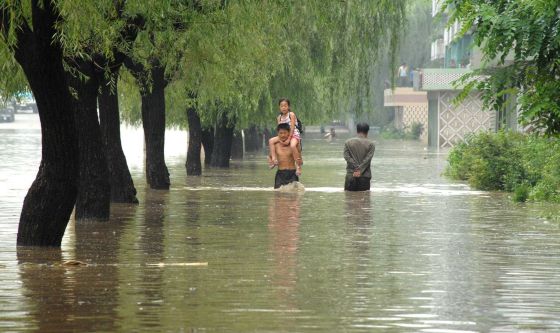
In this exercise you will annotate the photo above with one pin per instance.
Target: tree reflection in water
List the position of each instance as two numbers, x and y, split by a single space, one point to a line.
152 248
81 297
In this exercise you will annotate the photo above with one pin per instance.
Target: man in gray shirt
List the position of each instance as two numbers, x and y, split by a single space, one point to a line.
358 153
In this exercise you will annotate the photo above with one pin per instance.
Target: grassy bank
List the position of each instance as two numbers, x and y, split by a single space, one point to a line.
526 165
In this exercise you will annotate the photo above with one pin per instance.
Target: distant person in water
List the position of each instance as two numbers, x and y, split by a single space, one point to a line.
331 135
358 153
293 140
286 162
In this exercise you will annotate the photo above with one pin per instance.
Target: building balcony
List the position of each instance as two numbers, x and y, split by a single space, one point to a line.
440 78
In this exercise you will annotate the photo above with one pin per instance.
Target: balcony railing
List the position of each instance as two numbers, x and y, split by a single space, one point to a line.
441 78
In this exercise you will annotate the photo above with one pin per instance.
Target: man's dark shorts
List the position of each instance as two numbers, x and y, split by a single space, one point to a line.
284 177
357 183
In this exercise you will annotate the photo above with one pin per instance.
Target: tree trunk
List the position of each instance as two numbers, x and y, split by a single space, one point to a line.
94 191
50 199
122 186
153 120
223 137
207 139
193 165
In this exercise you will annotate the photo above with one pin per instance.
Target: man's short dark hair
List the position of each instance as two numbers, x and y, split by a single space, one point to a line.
362 128
283 126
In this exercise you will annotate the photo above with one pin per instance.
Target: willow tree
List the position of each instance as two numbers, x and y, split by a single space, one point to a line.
246 51
92 34
12 81
417 34
368 29
217 60
315 53
152 62
240 56
126 31
331 52
28 32
57 43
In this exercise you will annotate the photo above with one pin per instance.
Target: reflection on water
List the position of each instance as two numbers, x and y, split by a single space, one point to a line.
283 227
63 296
416 254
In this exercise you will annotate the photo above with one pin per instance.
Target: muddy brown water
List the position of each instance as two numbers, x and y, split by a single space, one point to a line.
419 253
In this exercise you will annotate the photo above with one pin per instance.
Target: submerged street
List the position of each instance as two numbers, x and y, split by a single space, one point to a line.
224 252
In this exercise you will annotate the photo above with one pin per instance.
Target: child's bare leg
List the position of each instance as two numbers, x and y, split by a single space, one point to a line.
294 145
273 160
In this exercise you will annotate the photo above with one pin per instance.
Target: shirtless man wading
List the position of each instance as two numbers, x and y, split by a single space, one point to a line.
286 173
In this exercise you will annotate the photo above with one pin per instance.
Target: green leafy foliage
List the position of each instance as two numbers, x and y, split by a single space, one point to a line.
416 130
236 56
414 45
521 193
524 164
390 132
413 133
520 44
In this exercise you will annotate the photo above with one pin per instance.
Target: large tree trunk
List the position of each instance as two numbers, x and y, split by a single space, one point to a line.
122 186
94 191
223 137
207 139
50 200
153 120
194 168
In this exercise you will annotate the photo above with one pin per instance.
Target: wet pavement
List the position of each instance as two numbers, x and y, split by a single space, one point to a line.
224 252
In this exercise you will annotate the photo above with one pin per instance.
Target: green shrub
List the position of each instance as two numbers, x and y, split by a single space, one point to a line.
521 193
527 165
535 153
391 132
416 130
489 161
459 162
547 187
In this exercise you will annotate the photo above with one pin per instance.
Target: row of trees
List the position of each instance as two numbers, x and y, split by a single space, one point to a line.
219 65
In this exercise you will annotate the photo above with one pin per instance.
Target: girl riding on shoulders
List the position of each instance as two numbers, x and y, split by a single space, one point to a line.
294 140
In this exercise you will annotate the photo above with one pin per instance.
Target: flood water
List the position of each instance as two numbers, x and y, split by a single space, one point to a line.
226 253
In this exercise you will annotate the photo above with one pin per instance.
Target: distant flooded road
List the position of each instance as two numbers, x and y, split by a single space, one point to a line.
226 253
